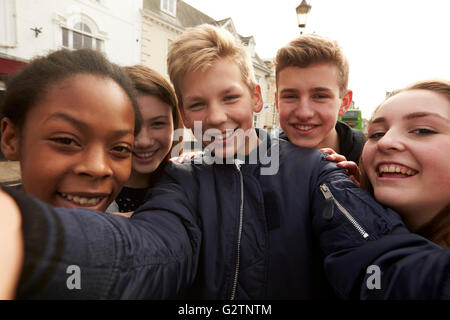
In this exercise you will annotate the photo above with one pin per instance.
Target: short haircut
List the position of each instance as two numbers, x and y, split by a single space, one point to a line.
26 89
198 48
311 49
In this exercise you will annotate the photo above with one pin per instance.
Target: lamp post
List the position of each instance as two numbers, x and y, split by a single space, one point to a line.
302 14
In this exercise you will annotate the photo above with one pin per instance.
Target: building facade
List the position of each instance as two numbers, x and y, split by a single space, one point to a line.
31 28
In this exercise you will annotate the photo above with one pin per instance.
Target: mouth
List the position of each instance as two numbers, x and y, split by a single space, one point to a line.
224 138
144 156
83 200
304 128
394 170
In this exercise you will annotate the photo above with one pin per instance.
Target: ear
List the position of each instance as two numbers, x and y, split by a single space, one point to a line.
276 102
10 139
346 101
257 99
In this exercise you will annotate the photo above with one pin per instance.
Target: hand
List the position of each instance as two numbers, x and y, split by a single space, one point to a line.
350 167
185 157
11 246
123 214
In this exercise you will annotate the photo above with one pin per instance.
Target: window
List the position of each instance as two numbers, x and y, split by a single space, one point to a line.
81 36
169 6
8 27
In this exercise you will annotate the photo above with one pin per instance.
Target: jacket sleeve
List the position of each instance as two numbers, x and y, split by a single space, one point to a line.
369 253
83 254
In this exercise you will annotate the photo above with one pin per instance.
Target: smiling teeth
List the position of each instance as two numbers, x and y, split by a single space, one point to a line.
144 155
395 169
304 128
82 200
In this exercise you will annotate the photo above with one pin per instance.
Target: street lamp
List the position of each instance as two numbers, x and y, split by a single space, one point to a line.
302 13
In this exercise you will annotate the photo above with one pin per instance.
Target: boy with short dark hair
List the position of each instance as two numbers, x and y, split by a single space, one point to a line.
312 79
263 220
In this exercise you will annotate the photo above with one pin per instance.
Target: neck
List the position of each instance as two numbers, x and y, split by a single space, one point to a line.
331 141
418 216
138 180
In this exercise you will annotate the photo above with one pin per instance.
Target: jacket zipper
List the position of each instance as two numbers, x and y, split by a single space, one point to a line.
241 219
328 213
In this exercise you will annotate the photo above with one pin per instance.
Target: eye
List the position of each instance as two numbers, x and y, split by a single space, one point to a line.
158 124
195 106
231 98
122 151
423 131
289 96
320 96
66 141
376 135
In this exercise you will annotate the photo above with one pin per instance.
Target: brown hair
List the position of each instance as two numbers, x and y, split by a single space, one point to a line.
311 49
198 48
149 82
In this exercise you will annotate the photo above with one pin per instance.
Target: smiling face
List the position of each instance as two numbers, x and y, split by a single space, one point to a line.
153 142
75 146
309 103
406 155
222 102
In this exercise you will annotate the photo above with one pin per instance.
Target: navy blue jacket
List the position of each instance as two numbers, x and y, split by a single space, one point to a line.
226 231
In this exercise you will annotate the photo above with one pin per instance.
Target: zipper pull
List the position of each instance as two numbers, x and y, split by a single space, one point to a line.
327 213
238 163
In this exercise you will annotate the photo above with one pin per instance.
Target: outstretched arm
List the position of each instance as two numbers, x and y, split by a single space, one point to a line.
11 248
83 254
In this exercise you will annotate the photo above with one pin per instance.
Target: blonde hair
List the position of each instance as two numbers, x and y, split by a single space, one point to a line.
310 49
198 48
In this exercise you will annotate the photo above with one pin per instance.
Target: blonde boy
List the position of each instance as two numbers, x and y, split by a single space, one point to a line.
225 106
312 78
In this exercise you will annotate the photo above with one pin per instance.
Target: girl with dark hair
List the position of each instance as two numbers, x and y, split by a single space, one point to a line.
70 118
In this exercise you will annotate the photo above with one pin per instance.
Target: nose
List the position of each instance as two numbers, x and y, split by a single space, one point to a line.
144 139
303 110
216 115
95 163
391 141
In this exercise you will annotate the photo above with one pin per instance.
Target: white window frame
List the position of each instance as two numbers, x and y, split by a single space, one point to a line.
94 34
169 6
8 24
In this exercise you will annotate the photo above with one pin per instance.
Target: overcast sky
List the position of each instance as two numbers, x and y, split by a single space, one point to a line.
389 43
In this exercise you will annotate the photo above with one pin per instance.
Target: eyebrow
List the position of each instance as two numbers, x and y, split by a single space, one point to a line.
414 115
317 89
158 117
83 126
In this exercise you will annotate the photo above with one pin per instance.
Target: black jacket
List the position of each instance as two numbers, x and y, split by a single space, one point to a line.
235 231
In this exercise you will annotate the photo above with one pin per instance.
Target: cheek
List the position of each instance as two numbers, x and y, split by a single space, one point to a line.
367 156
122 170
42 173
